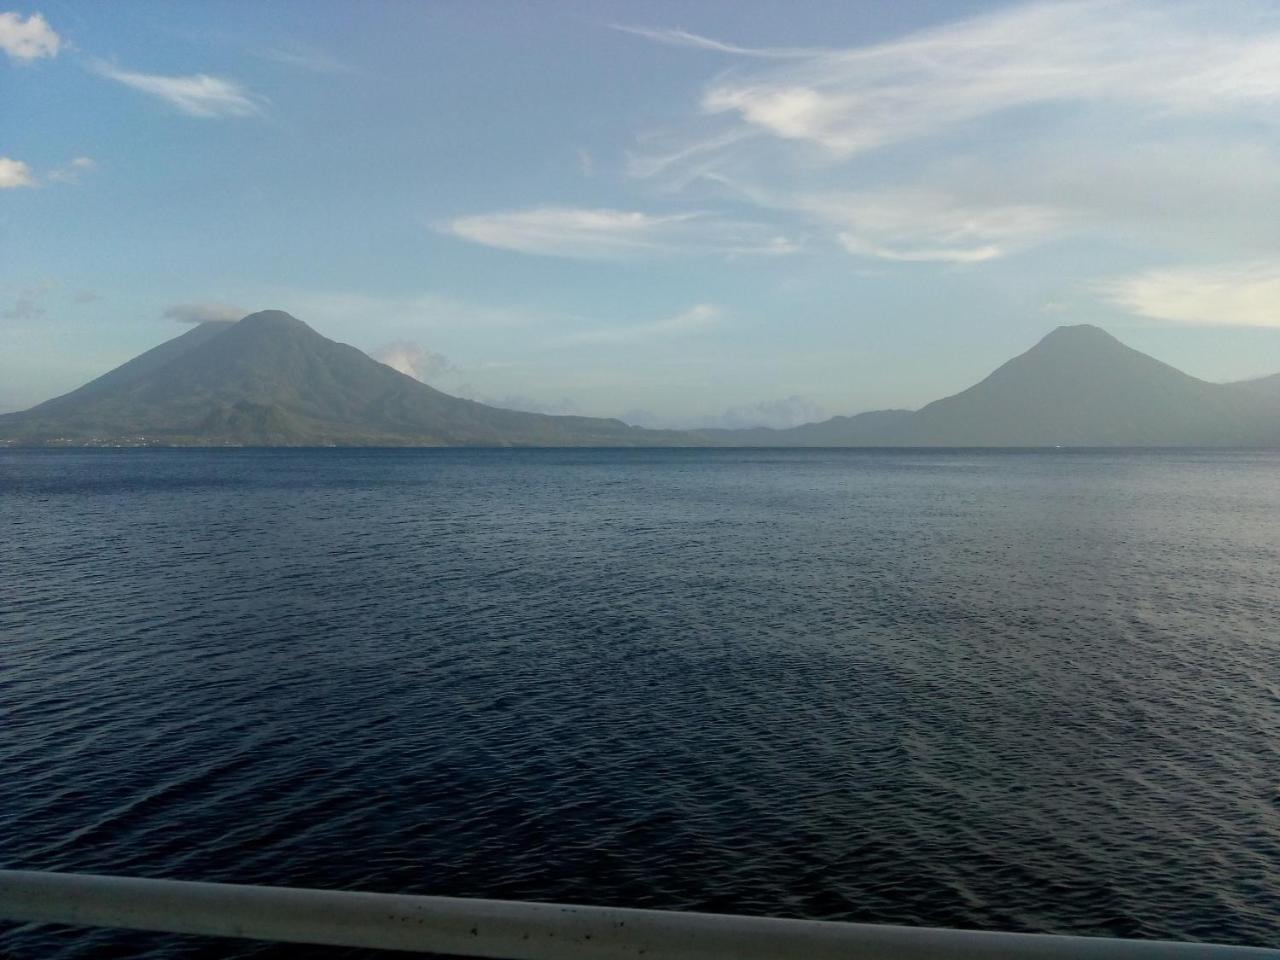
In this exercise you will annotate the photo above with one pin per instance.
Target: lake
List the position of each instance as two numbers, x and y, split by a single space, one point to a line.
1032 691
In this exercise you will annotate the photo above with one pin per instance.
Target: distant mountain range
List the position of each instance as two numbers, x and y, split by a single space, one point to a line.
1078 387
270 380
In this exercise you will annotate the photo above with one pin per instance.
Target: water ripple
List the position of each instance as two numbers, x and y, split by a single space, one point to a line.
1012 691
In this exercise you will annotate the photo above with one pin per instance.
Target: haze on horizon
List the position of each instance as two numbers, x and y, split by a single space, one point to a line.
678 214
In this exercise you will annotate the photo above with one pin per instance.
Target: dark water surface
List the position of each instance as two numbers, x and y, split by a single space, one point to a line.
1025 691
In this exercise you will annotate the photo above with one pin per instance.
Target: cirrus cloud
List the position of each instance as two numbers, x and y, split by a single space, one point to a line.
1113 101
683 38
296 53
603 234
197 95
930 225
860 98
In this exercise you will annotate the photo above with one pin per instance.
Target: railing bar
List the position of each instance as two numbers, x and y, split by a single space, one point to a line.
512 930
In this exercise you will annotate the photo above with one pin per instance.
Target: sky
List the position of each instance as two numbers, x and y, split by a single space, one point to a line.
693 213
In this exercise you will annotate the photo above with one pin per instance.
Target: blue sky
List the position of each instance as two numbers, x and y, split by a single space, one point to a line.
674 212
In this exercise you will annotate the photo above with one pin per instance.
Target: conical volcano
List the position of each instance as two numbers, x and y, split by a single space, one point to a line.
271 380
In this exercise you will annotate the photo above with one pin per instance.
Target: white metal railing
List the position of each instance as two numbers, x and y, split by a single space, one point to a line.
529 931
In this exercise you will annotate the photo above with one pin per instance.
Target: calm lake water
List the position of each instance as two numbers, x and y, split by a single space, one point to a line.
1025 691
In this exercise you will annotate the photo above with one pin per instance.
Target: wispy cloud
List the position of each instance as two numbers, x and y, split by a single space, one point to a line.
414 360
197 95
29 39
73 171
697 318
857 99
304 56
807 135
929 225
203 312
15 173
1233 294
601 234
917 224
683 38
